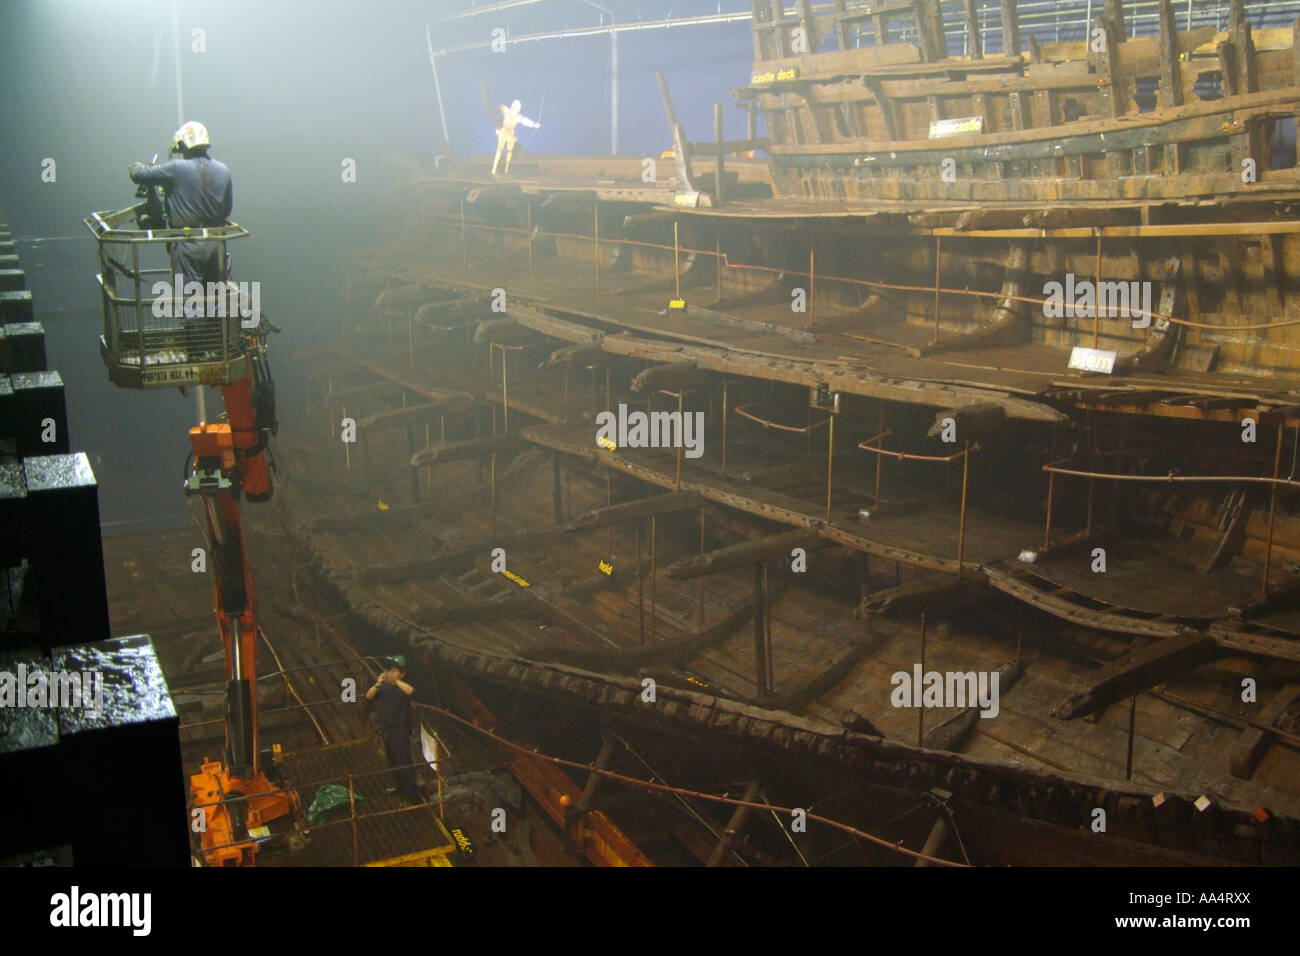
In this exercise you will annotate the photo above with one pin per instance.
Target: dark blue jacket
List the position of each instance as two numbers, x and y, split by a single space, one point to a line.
199 190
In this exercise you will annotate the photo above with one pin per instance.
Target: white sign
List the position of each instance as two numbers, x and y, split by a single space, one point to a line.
1092 360
957 126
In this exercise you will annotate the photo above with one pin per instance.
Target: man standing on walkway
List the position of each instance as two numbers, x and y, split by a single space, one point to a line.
394 696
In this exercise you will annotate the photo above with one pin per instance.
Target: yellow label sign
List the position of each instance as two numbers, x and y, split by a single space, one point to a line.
604 442
516 578
463 842
677 304
605 567
774 76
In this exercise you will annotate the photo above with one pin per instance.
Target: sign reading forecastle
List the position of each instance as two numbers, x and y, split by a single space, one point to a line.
651 430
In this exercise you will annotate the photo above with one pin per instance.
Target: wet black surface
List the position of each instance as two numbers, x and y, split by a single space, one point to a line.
134 689
56 472
26 728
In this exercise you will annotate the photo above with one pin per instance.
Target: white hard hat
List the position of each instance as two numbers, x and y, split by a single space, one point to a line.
191 135
516 106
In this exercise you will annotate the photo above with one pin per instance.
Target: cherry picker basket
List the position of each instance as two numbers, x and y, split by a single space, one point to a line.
159 331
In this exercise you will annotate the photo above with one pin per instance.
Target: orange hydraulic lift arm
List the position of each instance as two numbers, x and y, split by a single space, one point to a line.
230 462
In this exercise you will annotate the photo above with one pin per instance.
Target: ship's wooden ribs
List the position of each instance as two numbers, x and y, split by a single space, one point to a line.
933 591
535 600
1114 12
354 392
737 822
404 297
674 376
500 332
446 315
681 148
635 510
1254 741
1164 335
493 194
753 325
594 779
851 381
1010 29
952 733
1234 641
747 552
629 659
1007 324
1171 81
582 355
1140 669
1239 504
466 450
882 102
398 417
973 38
971 421
458 560
1284 596
809 688
1013 581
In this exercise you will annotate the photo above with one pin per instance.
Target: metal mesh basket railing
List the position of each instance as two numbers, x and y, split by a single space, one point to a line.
156 325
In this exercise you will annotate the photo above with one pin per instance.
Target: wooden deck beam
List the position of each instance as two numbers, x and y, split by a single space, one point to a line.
1254 741
1138 670
745 553
635 510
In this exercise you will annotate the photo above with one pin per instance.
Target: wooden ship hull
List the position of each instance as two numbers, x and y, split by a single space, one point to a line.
899 470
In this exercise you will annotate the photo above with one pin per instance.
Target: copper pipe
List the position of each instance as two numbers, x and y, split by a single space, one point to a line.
767 423
920 710
701 579
1170 479
677 269
961 525
530 240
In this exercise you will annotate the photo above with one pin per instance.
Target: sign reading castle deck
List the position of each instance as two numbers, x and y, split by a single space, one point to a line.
773 76
651 430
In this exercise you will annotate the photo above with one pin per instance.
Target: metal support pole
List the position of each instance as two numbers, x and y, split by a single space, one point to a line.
566 393
937 251
640 587
701 592
596 237
920 710
442 431
1096 312
725 409
1132 723
594 779
830 458
410 335
880 430
530 240
734 826
464 236
677 268
760 633
1047 528
347 451
505 392
556 510
680 396
608 404
1272 510
654 538
961 525
717 257
719 166
812 280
